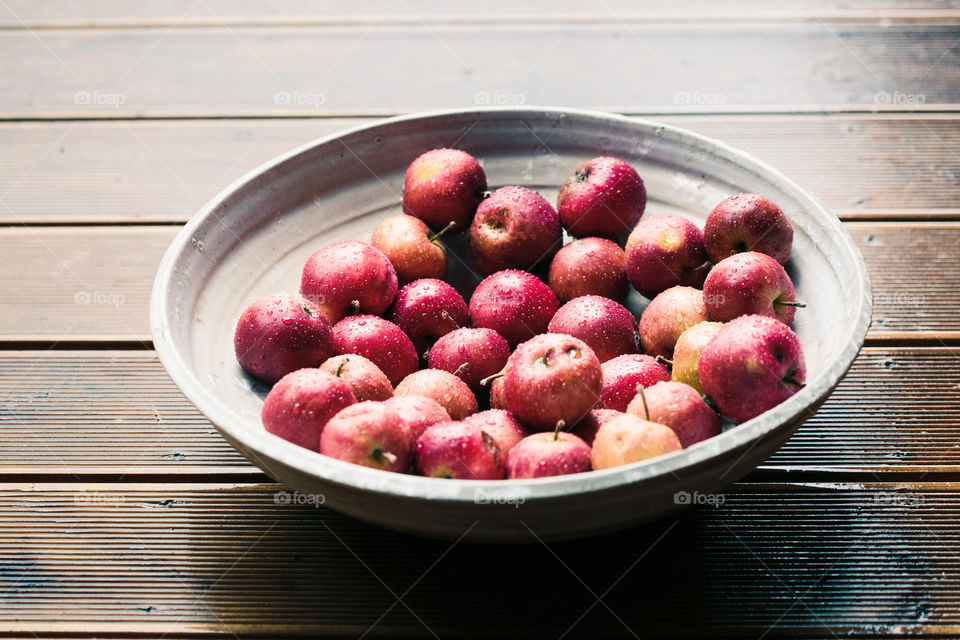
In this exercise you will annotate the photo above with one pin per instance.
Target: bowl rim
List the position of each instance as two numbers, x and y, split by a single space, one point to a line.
268 448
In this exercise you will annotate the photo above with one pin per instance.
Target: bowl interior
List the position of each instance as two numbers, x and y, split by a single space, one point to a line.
253 239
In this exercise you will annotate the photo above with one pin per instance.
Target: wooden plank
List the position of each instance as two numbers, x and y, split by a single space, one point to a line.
768 560
163 171
93 283
661 67
117 414
111 13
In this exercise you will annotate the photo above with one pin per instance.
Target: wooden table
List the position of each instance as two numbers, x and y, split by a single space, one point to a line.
124 514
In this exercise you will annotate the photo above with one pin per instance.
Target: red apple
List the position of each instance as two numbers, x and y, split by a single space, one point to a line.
369 434
667 316
680 407
446 389
349 277
625 439
622 374
428 309
281 333
416 413
686 353
549 378
515 304
604 197
497 399
543 455
380 341
665 251
515 228
362 376
459 450
587 428
500 425
750 283
748 222
470 354
443 187
607 326
753 364
301 403
589 266
414 250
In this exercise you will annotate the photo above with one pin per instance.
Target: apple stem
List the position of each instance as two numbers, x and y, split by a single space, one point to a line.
794 382
340 367
556 432
461 368
664 361
439 234
791 303
490 379
379 456
643 399
447 316
355 305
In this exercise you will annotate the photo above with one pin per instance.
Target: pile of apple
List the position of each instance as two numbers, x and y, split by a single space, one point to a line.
380 362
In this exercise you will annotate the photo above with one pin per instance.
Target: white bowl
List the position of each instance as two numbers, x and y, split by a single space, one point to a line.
253 238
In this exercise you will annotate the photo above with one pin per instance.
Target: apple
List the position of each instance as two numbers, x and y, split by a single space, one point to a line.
589 266
364 378
500 425
427 309
667 316
443 188
459 450
497 399
686 354
349 277
515 228
587 428
515 304
549 378
470 354
626 438
416 413
548 454
680 407
748 222
665 251
446 389
414 251
301 403
622 374
607 326
379 341
281 333
369 434
753 364
604 197
750 283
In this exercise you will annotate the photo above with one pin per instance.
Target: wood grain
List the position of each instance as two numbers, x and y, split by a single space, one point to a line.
116 414
771 560
93 283
871 166
635 68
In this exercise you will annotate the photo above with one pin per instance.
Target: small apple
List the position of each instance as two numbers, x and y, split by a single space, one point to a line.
552 377
587 428
680 407
604 197
665 251
542 455
446 389
459 450
753 364
281 333
427 309
349 277
301 403
515 228
500 425
369 434
414 250
626 438
748 222
750 283
607 326
667 316
362 376
470 354
686 353
589 266
379 341
515 304
444 187
622 374
416 413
